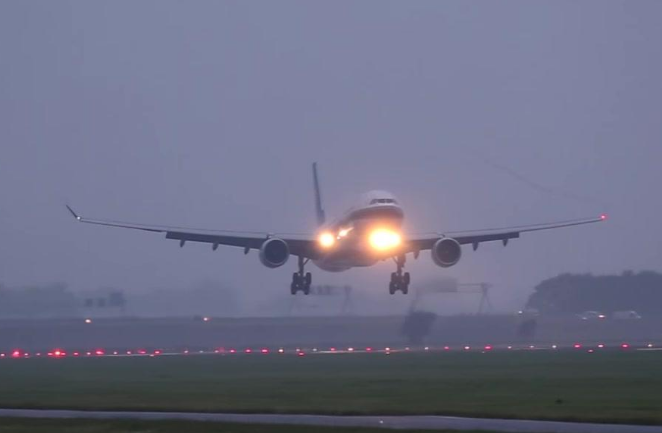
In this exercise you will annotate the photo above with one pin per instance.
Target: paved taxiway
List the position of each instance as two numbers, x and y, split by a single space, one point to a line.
390 422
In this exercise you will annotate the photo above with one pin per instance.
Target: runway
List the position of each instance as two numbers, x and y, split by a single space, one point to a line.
387 422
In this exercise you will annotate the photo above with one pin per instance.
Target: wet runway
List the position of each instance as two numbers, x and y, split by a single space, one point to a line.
386 422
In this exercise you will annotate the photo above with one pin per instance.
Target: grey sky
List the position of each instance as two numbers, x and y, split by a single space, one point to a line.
209 113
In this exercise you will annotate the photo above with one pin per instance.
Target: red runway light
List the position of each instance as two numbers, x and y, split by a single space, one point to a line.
368 349
625 346
16 354
76 353
333 349
99 352
300 354
577 346
488 347
447 348
265 351
601 346
248 350
157 352
233 351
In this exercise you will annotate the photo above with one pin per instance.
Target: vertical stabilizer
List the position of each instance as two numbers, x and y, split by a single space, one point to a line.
321 218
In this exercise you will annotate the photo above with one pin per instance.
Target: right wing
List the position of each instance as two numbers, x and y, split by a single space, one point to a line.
504 234
300 245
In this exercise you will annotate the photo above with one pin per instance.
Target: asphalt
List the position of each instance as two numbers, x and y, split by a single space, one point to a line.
389 422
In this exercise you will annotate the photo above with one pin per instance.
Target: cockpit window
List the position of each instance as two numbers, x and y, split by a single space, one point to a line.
382 200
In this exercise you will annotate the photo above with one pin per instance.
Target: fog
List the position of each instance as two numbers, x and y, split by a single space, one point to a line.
209 114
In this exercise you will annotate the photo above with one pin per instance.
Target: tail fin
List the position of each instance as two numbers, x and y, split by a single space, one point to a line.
321 217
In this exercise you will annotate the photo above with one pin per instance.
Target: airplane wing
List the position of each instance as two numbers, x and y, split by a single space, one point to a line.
300 245
503 234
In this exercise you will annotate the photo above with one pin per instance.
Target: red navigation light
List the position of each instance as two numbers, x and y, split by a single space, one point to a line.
603 216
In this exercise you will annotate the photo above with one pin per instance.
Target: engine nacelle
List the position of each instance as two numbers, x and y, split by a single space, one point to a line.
446 252
274 252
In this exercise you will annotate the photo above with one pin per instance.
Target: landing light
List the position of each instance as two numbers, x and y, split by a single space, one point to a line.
382 239
327 240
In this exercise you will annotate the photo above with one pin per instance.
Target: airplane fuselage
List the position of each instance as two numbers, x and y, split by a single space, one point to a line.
352 244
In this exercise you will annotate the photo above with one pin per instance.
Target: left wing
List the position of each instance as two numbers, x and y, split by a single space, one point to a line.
504 234
300 245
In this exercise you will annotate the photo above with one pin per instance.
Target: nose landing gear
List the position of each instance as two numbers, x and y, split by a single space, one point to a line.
300 280
399 280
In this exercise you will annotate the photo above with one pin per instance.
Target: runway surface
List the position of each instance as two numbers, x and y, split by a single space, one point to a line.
388 422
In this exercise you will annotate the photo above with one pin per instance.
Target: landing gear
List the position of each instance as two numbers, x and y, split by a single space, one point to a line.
300 280
399 280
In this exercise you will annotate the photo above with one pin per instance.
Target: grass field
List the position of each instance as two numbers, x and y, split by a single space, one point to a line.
22 425
618 386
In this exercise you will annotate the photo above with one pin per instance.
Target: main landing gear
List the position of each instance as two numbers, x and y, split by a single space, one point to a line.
300 280
399 280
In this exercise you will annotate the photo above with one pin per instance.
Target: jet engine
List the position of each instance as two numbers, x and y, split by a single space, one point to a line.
274 252
446 252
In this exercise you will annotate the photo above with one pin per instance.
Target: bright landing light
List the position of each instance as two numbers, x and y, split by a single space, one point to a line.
382 239
327 240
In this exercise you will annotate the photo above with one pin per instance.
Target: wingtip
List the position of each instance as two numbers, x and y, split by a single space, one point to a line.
71 211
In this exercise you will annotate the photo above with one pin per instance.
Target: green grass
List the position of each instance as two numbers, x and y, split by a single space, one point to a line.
26 425
610 386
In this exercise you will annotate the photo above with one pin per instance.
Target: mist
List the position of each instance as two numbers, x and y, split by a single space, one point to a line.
209 114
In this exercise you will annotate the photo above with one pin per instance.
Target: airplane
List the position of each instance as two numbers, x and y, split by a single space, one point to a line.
366 234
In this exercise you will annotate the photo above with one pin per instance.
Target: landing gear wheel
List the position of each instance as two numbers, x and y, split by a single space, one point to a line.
296 283
309 279
406 279
392 288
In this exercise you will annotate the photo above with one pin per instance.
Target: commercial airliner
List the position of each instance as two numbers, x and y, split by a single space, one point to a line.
366 234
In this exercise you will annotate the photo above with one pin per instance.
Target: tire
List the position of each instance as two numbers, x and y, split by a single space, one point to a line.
295 278
392 288
407 279
306 289
405 289
309 279
394 277
294 289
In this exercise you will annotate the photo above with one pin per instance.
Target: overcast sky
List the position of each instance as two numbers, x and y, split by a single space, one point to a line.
209 114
